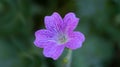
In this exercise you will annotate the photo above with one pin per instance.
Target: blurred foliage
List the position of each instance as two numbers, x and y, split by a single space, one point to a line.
100 22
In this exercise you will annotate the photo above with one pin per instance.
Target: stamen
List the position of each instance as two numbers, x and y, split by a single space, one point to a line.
62 39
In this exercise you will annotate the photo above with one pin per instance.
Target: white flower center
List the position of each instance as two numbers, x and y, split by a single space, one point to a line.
62 39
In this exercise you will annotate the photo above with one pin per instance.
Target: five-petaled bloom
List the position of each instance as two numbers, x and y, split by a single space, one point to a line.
59 33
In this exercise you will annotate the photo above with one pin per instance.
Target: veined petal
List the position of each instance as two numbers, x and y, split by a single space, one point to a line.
53 51
70 21
42 44
43 37
75 40
54 22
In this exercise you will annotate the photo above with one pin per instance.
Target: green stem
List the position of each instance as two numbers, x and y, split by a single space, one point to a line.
69 58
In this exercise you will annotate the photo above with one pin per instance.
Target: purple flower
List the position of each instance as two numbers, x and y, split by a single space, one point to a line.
59 33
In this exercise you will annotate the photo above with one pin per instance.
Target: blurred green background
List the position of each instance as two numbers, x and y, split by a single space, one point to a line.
100 22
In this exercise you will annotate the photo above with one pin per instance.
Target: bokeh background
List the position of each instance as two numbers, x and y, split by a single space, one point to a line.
100 22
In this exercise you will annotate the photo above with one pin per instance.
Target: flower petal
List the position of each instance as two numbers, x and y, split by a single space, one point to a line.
43 37
70 21
53 51
75 40
54 22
